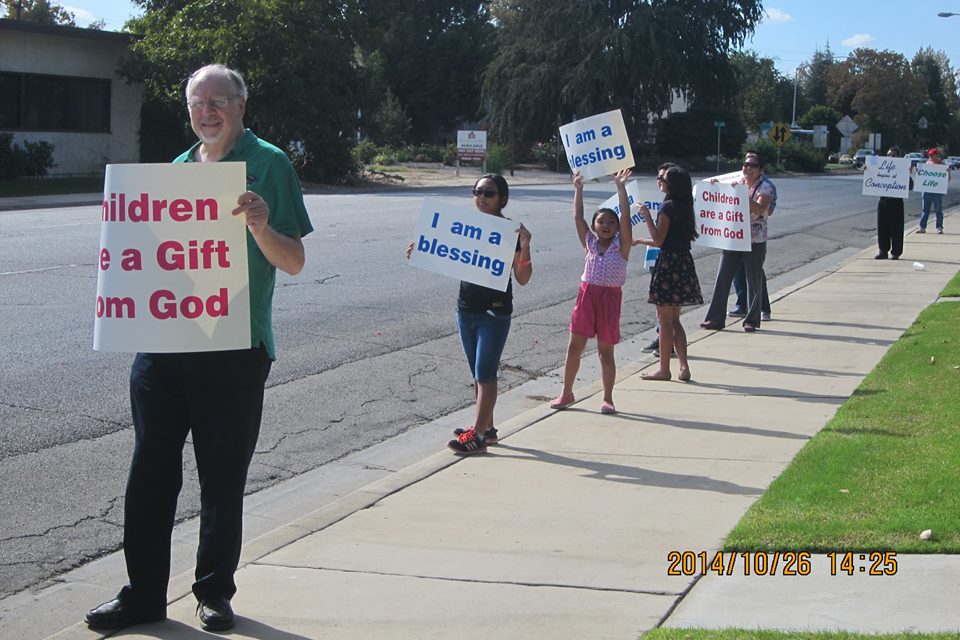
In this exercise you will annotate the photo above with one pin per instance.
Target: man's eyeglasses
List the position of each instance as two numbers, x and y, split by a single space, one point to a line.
213 103
750 165
661 179
486 193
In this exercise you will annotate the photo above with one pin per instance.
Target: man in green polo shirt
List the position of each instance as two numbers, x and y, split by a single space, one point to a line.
216 396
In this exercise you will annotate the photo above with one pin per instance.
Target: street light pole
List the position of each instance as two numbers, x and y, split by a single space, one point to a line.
793 122
946 14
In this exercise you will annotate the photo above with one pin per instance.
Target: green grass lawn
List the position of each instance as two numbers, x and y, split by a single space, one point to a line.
753 634
885 468
49 186
952 290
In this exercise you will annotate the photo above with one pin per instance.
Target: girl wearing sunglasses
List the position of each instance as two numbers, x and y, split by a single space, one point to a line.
483 320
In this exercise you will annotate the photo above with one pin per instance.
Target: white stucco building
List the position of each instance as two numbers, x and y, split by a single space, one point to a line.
60 84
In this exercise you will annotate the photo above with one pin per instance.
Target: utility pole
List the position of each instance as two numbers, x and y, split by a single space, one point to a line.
719 124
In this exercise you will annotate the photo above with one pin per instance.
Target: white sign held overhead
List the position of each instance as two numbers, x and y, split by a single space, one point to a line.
598 145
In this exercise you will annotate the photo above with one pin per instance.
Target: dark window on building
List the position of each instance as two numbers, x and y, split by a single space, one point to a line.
54 103
9 101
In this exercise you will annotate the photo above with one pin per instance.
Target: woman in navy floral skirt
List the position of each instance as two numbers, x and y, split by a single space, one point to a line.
673 282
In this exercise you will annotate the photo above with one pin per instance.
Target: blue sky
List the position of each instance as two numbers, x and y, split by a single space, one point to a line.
791 31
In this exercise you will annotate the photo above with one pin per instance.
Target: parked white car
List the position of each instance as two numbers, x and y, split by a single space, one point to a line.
859 158
916 158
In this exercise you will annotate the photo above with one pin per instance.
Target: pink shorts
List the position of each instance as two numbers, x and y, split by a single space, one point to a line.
597 313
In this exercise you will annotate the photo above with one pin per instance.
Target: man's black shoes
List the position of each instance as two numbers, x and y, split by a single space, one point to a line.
215 613
117 615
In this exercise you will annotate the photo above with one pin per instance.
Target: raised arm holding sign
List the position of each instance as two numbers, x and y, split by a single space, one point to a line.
606 242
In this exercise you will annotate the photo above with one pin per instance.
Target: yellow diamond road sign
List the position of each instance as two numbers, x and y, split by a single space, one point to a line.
780 134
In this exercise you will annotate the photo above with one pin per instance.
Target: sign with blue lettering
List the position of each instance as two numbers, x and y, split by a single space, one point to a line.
722 214
649 196
598 145
465 244
888 177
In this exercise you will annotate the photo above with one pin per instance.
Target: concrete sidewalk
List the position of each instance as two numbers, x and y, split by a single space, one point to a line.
564 529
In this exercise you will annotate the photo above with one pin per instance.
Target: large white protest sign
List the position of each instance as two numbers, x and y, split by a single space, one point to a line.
466 244
722 213
636 195
652 198
888 177
173 259
931 178
598 145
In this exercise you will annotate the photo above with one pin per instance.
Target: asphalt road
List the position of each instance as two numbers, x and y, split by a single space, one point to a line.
367 347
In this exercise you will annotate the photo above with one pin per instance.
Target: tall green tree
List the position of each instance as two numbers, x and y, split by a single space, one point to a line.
880 89
556 60
429 54
41 11
932 69
763 93
814 77
296 55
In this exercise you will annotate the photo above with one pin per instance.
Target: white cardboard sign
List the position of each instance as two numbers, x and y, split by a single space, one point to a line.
722 213
598 145
652 198
173 259
883 176
465 244
931 178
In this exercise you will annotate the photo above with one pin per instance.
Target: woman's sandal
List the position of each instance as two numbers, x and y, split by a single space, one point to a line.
655 376
711 326
684 375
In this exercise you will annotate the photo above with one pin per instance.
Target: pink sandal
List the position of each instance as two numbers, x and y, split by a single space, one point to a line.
562 402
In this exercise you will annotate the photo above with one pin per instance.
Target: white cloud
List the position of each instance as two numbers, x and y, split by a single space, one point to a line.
83 17
858 40
778 16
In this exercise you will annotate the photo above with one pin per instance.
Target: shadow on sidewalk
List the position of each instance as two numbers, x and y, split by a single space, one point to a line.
630 475
706 426
773 392
830 338
777 368
170 628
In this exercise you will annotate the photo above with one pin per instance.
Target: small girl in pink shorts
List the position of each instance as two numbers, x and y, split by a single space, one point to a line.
607 242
